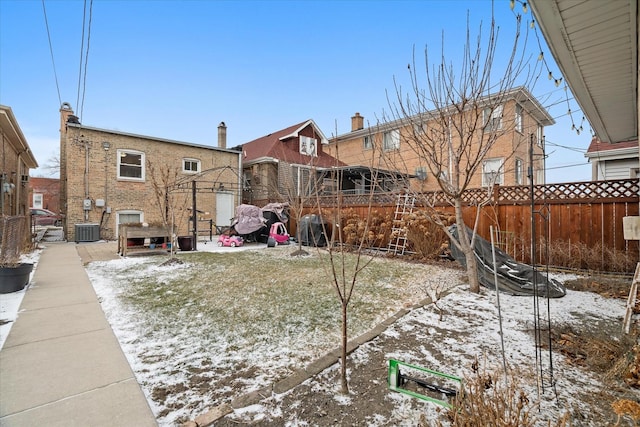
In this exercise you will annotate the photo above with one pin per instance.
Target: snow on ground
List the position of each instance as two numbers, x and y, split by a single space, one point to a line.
463 326
10 303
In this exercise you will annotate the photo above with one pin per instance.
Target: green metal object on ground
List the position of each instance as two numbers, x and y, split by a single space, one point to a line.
397 380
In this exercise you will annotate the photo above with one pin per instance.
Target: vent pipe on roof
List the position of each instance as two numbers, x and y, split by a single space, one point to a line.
357 122
222 135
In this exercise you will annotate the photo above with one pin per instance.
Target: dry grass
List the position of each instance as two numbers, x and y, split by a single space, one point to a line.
491 398
580 256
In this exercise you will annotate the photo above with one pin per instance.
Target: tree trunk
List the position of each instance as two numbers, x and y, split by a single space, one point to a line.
467 249
344 386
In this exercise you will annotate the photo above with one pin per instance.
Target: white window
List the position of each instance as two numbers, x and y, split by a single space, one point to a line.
519 172
367 142
518 118
190 165
131 165
37 201
492 118
539 136
308 146
391 140
492 172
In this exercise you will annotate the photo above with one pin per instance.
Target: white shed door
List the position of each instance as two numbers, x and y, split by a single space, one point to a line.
225 210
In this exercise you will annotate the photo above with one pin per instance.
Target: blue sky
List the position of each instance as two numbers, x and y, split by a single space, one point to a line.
176 69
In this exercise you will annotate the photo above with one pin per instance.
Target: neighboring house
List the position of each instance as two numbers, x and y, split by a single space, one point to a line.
279 166
613 160
108 178
45 193
506 163
293 162
16 159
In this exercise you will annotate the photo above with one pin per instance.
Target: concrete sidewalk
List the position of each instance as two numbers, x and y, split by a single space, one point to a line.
61 364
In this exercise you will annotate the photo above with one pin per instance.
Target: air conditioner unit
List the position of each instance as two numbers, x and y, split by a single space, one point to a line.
87 232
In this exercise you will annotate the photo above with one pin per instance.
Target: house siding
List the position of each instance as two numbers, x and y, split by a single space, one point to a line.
50 190
16 160
88 171
617 169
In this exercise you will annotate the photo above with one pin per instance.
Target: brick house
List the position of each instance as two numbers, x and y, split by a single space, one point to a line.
283 161
108 178
45 193
617 160
16 159
388 144
292 162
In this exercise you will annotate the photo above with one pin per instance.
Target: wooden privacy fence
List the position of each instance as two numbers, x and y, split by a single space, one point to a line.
580 217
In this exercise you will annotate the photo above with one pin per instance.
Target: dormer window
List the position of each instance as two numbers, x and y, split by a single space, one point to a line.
308 146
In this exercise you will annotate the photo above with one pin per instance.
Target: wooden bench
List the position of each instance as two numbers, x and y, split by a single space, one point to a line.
131 239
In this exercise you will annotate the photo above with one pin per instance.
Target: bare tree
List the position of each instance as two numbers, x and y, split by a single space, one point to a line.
453 122
171 202
344 276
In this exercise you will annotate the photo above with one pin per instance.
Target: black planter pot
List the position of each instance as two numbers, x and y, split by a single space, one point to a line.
185 243
14 279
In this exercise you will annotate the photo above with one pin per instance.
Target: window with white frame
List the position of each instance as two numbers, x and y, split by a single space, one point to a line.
492 118
492 172
539 135
131 165
190 165
519 172
518 119
37 201
367 142
391 140
308 146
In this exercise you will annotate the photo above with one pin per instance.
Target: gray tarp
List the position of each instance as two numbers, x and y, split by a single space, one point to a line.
513 277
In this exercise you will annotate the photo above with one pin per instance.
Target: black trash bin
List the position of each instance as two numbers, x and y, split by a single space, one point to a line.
185 243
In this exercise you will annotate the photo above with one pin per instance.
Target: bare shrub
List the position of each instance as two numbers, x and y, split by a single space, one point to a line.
495 399
425 237
373 231
581 256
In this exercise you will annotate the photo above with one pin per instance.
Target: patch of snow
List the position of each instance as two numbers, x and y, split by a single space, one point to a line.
10 303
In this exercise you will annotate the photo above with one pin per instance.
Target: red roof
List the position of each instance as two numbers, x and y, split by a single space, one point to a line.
284 145
598 146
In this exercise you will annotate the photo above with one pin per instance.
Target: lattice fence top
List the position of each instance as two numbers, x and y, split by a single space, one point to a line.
572 192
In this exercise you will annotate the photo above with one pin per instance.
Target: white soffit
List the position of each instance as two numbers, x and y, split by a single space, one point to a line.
595 44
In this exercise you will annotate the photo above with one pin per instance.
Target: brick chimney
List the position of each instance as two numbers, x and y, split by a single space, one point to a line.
357 122
222 135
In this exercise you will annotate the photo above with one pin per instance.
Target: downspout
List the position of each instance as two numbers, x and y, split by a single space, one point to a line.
86 178
240 180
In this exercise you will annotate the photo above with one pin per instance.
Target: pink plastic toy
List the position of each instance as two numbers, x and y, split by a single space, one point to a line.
232 241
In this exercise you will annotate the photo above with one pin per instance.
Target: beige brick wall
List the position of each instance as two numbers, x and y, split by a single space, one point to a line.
509 145
81 146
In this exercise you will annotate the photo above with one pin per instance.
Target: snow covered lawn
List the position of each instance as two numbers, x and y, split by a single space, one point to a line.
223 324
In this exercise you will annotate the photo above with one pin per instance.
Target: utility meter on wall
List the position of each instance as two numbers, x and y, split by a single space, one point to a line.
86 204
